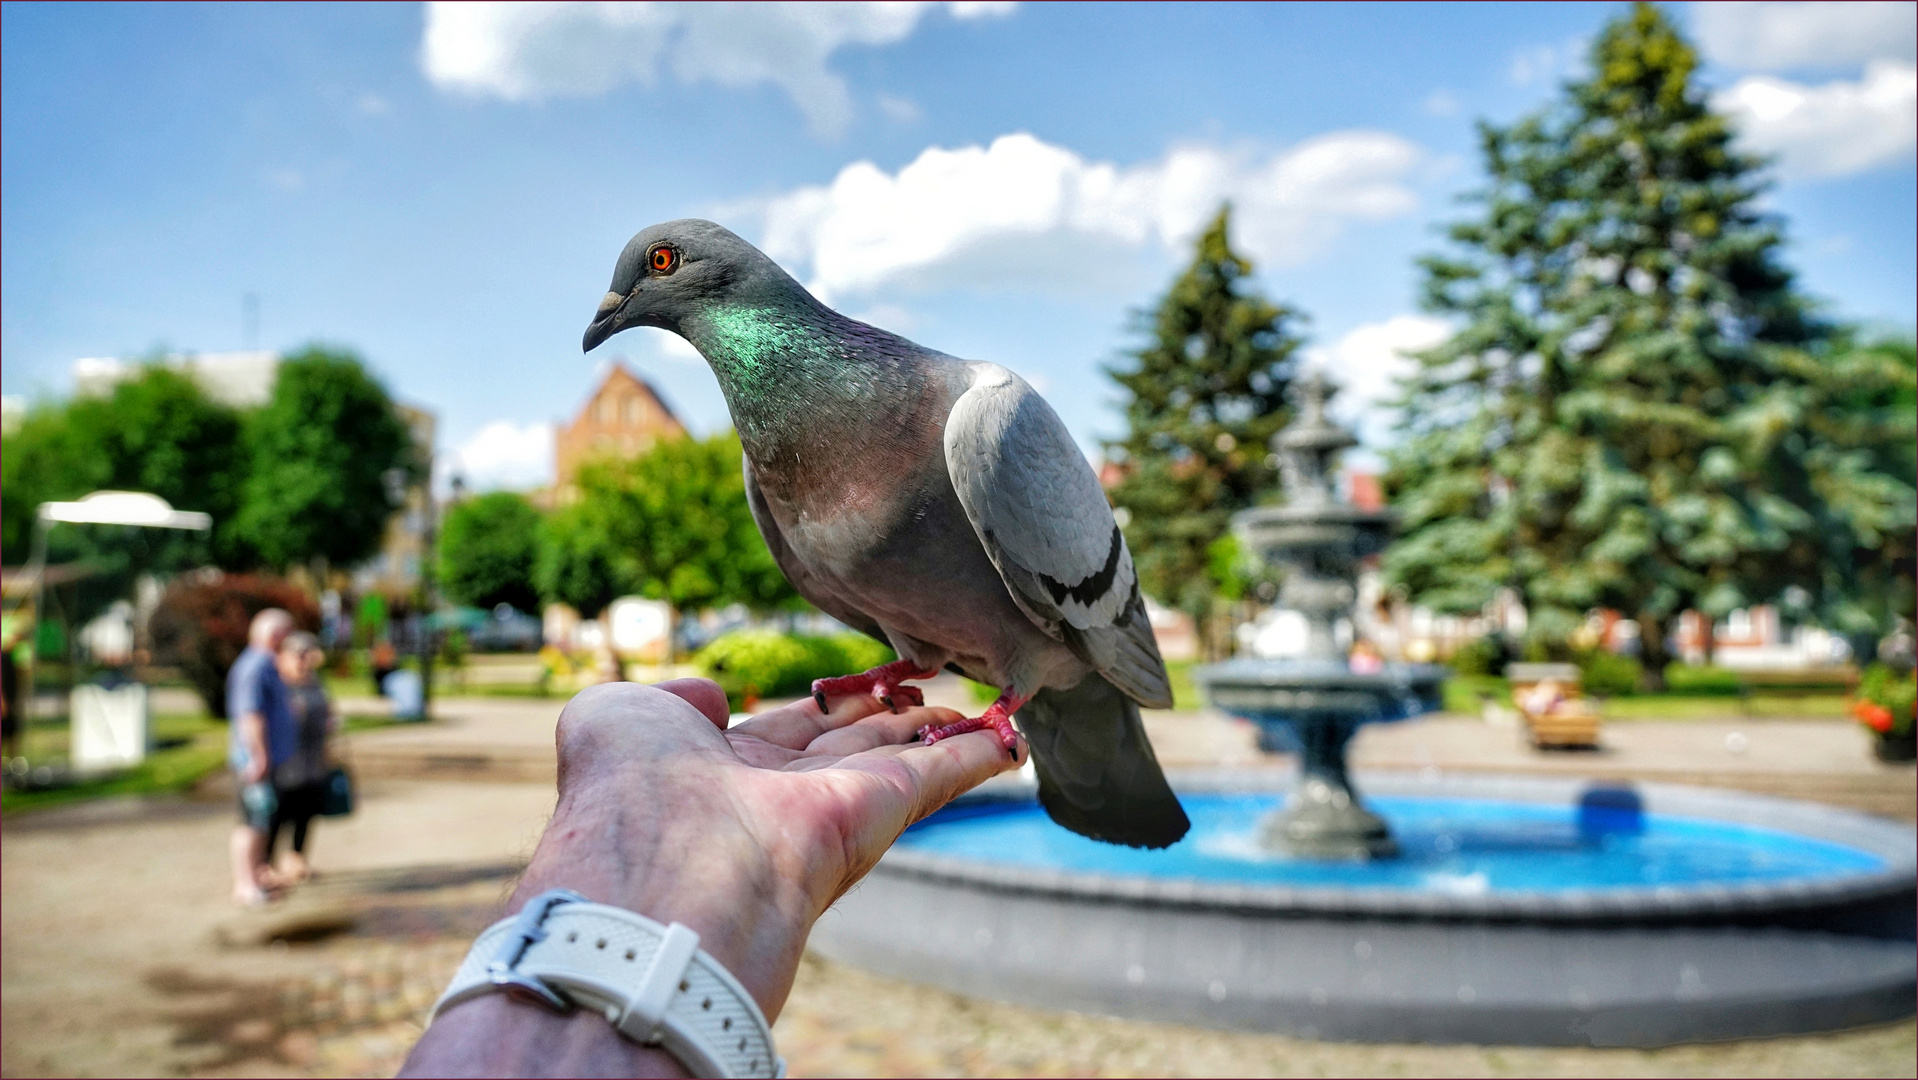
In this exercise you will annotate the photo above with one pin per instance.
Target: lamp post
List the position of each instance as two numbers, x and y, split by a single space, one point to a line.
429 538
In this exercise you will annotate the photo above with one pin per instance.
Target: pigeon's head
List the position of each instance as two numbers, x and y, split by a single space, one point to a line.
673 269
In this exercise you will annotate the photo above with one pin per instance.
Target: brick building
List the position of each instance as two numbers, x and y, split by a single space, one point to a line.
623 418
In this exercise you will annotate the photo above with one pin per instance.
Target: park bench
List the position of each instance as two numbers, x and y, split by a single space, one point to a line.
1570 722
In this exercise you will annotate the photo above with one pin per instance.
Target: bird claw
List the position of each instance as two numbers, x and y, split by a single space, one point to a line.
885 683
998 717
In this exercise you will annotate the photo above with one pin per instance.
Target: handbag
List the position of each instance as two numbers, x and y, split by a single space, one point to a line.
336 793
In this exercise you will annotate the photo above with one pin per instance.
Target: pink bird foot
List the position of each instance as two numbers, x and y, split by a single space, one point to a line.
885 682
998 717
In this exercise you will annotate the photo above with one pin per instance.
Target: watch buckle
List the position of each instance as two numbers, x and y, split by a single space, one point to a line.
529 930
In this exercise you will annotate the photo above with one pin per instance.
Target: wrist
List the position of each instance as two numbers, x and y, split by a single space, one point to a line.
750 918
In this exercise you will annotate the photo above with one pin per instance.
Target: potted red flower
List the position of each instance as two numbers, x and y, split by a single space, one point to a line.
1886 703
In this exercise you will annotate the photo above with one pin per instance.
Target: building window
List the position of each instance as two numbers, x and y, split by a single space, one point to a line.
633 411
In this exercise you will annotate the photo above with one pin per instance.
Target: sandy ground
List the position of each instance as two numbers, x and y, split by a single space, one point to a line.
120 956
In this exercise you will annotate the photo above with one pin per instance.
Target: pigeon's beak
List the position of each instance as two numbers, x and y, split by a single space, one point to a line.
605 323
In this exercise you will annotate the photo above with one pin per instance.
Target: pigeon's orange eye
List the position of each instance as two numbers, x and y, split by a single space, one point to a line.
664 260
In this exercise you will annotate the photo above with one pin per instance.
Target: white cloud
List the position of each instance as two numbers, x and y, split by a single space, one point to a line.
1023 210
1835 129
1365 363
507 455
1777 36
1441 103
374 105
533 51
898 109
1535 64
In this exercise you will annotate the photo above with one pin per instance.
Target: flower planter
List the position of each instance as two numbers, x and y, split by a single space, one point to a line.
1896 748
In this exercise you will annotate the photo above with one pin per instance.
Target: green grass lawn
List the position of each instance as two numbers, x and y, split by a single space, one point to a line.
187 747
1466 694
192 745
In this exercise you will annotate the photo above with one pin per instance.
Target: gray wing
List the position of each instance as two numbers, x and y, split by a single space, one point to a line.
1046 525
796 572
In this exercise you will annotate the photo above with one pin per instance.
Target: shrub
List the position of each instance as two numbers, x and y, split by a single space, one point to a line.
766 663
1607 674
201 623
1482 656
1887 700
1702 681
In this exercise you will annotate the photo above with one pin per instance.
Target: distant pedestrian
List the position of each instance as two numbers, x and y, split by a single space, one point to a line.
384 661
262 736
299 782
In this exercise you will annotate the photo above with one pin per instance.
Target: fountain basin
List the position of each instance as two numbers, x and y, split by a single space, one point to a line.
1281 695
1802 922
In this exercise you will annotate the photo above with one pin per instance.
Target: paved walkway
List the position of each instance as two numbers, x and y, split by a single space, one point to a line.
120 956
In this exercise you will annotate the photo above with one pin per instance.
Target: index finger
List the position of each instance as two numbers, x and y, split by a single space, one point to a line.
795 726
937 774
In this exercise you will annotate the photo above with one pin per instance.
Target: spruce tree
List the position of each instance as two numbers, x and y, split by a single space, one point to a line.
1640 411
1205 394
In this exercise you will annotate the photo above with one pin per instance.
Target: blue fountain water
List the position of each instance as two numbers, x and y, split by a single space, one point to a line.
1471 846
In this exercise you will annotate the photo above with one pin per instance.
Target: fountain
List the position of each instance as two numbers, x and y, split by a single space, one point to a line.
1455 908
1315 702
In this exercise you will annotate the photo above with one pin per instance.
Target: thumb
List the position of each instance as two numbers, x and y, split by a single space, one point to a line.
702 694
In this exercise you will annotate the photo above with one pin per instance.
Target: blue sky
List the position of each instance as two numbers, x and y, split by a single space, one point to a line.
446 190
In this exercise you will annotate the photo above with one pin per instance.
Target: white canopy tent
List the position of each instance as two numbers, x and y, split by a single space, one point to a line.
125 508
109 725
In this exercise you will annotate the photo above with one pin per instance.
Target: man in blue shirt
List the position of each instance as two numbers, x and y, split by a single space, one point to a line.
263 734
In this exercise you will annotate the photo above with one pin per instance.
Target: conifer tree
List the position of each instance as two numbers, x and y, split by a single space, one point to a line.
1206 394
1640 411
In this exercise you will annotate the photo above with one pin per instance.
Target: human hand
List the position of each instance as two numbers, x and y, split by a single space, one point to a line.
255 770
746 835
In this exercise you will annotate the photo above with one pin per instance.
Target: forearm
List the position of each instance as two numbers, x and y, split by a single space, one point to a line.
253 735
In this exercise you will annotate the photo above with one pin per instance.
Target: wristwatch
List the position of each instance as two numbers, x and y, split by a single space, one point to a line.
651 982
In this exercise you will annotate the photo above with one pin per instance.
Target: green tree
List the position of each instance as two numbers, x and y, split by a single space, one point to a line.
318 452
672 525
578 557
1638 410
1204 395
681 528
156 432
488 548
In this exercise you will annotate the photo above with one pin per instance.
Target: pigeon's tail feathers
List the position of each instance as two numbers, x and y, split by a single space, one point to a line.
1127 654
1097 774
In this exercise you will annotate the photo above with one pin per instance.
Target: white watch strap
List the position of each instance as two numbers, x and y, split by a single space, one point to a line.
651 982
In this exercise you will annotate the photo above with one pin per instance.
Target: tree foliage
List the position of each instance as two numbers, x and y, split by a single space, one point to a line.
156 432
1640 411
1204 395
578 556
318 453
672 525
489 546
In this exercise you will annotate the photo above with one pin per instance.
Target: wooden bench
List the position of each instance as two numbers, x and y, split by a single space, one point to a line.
1571 723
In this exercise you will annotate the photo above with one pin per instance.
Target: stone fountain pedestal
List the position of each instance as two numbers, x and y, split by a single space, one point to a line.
1314 708
1315 702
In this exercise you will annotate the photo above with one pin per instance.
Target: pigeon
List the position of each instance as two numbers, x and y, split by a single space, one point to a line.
936 504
